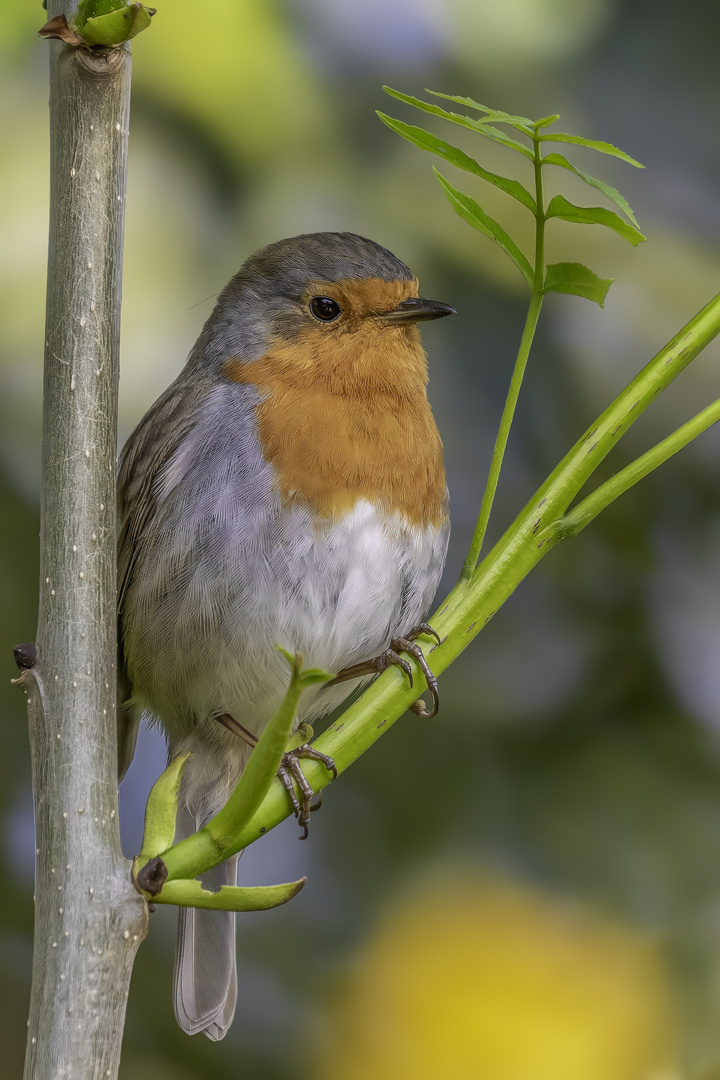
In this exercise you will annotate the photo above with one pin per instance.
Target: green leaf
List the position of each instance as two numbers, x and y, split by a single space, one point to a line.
593 144
161 811
117 26
480 126
90 9
419 137
506 140
576 279
496 115
473 213
470 102
593 215
611 192
547 120
190 893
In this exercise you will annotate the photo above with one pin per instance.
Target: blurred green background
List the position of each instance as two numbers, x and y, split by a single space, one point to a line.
527 888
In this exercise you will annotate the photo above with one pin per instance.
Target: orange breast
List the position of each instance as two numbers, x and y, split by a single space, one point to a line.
345 416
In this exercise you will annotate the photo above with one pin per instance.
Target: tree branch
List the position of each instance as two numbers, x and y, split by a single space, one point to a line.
88 919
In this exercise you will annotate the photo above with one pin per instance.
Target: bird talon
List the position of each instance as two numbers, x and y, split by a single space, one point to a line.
290 769
391 656
408 645
424 628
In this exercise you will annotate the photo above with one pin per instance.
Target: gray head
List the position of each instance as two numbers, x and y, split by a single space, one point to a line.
264 297
289 265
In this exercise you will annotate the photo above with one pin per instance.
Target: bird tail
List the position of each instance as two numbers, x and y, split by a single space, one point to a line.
205 980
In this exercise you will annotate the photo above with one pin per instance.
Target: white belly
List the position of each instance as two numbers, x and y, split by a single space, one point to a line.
336 594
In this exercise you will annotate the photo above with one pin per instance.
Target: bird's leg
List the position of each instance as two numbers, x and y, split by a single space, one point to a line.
290 768
236 728
391 657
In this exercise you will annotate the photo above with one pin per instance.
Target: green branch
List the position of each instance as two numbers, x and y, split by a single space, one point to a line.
472 603
586 511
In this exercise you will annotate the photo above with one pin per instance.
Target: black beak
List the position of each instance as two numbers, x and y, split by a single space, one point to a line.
417 309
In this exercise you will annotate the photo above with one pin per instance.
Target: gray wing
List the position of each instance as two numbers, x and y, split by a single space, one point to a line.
152 443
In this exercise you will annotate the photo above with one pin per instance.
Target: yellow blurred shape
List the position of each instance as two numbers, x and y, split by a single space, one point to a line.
472 978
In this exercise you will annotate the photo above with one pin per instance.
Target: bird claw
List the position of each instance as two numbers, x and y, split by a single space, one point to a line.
290 770
290 766
409 645
391 657
424 628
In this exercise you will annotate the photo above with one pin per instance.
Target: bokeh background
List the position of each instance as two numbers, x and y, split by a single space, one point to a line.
527 888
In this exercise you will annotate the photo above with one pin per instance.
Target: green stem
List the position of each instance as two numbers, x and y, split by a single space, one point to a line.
531 321
581 515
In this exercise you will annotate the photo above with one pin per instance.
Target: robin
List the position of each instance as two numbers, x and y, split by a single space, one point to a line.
287 489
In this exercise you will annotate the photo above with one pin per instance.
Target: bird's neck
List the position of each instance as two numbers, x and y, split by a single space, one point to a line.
337 433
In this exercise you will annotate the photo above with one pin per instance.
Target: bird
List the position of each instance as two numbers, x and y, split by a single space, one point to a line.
287 489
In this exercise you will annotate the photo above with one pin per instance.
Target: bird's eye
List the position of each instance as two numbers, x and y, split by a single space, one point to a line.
325 309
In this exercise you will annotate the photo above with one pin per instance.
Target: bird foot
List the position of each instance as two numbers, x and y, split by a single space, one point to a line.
290 769
390 657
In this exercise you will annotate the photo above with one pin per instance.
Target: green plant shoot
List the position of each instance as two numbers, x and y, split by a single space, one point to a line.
110 22
565 277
